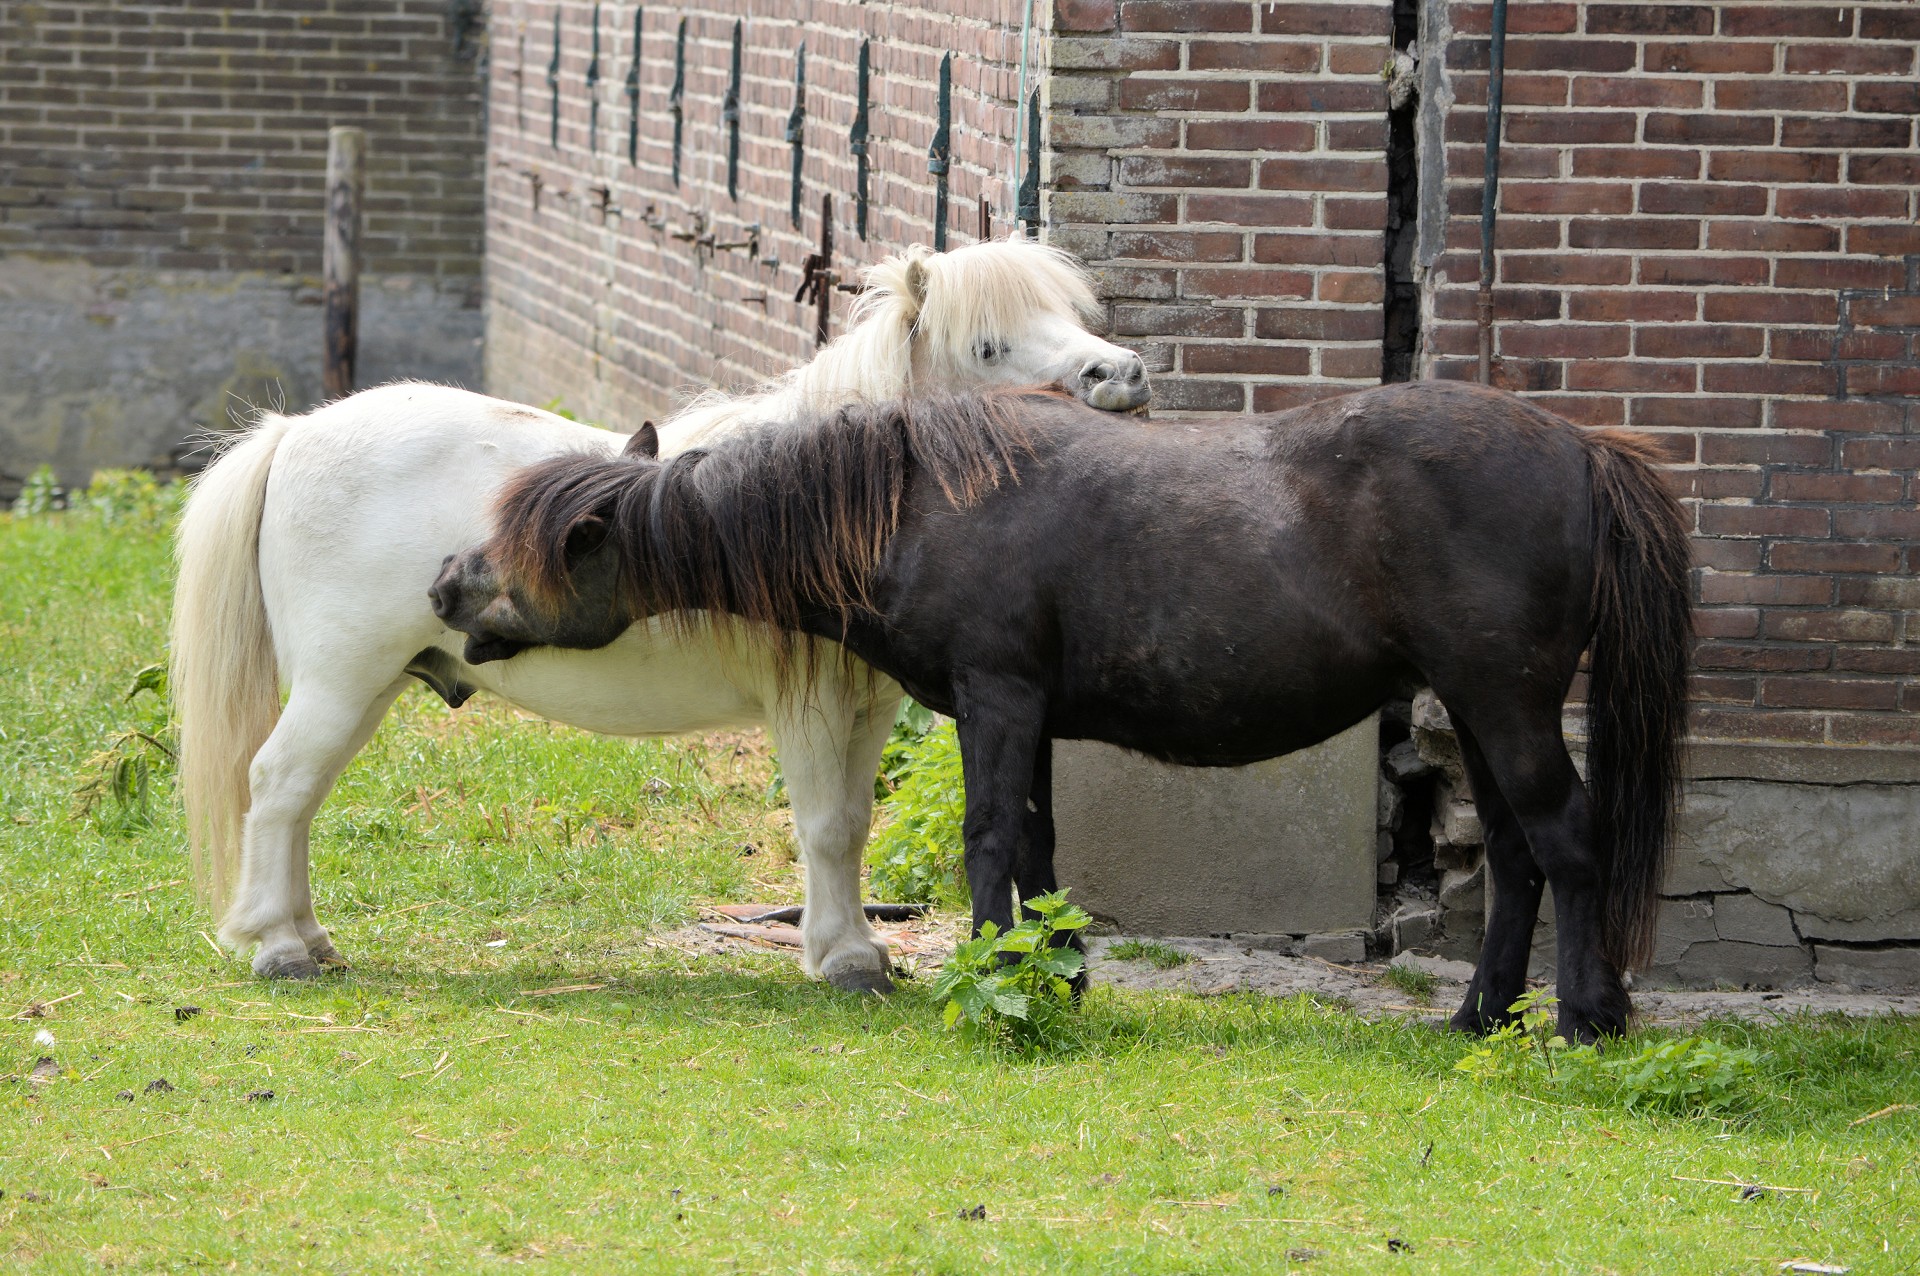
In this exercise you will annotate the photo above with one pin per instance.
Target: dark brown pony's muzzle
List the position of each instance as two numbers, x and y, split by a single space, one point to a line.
463 608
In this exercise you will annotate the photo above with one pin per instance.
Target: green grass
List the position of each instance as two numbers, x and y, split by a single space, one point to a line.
719 1113
1418 984
1158 955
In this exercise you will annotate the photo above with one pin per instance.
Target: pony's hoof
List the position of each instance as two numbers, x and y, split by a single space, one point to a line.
862 979
302 967
329 956
1472 1022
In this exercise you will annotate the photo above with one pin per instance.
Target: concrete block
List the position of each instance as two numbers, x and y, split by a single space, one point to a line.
1458 972
1428 713
1287 945
102 368
1460 822
1682 923
1388 874
1344 947
1285 846
1867 967
1460 938
1403 762
1544 954
1903 925
1849 854
1464 890
1390 807
1742 965
1413 925
1752 920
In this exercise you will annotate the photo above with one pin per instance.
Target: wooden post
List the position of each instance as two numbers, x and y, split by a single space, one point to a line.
340 258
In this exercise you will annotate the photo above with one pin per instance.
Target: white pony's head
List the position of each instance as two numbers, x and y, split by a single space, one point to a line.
1005 312
1009 312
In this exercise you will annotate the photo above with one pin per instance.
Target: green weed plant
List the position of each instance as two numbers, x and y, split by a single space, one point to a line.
1012 989
1158 955
1681 1076
919 855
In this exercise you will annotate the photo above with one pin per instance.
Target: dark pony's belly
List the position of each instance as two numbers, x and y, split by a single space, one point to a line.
1198 729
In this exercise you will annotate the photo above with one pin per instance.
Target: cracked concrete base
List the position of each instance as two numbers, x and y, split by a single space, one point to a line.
1222 966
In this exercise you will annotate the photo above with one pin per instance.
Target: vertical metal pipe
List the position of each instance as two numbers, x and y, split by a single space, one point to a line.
1490 188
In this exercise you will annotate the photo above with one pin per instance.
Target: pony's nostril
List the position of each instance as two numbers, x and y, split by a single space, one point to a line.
1096 372
442 599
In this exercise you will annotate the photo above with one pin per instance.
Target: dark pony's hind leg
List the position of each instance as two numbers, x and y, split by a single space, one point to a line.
999 722
1033 874
1516 883
1527 765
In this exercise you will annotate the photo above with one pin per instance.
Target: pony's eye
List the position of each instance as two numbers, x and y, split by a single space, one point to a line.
991 350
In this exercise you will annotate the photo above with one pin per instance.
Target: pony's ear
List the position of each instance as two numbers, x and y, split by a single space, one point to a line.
916 276
645 443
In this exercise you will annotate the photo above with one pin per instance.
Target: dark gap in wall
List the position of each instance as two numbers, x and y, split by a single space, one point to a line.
1401 342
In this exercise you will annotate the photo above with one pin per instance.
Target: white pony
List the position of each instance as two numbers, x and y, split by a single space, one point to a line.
306 550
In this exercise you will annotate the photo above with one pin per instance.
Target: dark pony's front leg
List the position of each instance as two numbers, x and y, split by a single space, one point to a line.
1033 875
999 725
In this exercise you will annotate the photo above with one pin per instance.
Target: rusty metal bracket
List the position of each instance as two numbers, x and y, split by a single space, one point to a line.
817 279
676 99
730 114
940 154
697 235
751 244
633 93
857 143
797 131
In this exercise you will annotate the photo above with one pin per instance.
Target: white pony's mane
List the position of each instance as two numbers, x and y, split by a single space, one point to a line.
913 327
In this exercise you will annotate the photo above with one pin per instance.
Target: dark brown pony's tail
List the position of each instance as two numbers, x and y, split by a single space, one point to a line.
1637 694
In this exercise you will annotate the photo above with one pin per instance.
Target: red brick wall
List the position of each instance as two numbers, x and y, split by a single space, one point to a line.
137 134
1707 231
1222 162
610 313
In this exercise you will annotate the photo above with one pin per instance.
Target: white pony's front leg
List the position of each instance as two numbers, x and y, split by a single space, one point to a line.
317 735
829 747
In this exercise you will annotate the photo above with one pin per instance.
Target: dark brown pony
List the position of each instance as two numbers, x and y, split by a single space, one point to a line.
1209 594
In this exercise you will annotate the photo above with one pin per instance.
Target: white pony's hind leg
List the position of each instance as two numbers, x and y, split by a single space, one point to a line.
317 735
319 943
817 738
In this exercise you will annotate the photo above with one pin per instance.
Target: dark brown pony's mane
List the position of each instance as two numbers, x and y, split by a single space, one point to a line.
772 526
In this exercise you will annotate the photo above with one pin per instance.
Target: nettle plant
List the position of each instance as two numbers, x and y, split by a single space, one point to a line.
917 857
1012 989
1682 1076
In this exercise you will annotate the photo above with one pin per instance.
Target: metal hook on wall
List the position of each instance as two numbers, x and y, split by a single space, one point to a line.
676 99
730 113
939 155
593 81
857 143
553 85
797 131
1027 199
633 93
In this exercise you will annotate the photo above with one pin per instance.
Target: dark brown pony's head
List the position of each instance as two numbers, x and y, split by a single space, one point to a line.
782 525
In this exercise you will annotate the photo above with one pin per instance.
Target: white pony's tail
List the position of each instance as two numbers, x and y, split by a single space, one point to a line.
225 682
